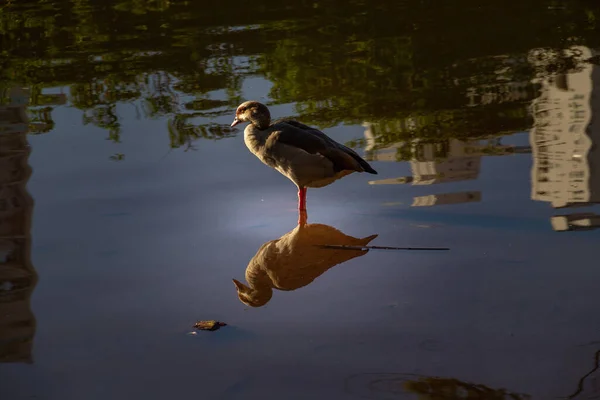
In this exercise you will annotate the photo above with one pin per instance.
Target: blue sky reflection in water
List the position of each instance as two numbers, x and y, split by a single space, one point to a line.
128 204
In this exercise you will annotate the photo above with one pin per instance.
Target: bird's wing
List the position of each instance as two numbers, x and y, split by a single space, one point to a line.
301 136
314 141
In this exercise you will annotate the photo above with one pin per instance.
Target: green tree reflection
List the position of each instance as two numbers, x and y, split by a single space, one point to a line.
460 70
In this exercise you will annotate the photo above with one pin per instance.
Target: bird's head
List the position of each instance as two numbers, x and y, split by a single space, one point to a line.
252 111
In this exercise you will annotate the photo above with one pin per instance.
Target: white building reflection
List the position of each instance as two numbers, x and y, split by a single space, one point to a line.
565 171
451 160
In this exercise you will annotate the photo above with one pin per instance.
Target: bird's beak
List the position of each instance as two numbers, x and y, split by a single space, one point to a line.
235 121
238 285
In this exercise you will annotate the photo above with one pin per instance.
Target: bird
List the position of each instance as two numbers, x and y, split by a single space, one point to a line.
295 260
305 155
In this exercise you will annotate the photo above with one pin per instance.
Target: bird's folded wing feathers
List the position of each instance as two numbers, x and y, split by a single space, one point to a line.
321 135
293 136
314 141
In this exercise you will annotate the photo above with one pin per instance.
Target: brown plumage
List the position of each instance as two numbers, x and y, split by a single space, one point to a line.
305 155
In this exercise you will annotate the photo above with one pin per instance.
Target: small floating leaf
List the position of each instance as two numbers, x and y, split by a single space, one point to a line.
211 325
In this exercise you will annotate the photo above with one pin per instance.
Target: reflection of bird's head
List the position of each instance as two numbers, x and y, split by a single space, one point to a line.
252 297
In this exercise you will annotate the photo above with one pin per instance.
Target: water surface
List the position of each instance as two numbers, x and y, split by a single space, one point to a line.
128 204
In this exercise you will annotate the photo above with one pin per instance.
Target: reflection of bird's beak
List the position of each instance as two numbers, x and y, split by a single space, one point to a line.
235 121
238 285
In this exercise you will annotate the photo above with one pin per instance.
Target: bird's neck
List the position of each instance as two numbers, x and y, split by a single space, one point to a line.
261 123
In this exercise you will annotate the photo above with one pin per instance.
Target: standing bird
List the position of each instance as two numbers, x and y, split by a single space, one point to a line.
305 155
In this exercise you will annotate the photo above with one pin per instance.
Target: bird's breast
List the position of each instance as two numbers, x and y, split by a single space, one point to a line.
255 142
252 141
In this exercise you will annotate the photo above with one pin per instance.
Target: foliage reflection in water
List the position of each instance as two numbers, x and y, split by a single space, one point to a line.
338 64
405 70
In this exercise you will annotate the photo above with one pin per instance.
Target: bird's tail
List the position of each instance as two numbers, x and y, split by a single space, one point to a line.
367 167
364 165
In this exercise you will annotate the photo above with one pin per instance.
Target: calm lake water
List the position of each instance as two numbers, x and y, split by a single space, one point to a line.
128 204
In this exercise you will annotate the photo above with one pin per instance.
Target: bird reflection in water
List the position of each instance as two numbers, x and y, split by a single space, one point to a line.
408 386
295 260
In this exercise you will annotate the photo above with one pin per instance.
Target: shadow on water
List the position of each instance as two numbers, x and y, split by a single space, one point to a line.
391 386
295 260
382 386
17 275
587 385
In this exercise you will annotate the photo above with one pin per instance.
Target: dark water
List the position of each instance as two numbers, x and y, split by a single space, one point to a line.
128 204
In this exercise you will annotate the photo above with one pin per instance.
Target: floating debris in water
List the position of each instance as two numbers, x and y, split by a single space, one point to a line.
342 246
117 157
209 325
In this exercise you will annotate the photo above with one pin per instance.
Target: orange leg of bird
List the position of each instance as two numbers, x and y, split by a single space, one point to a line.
302 217
302 199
